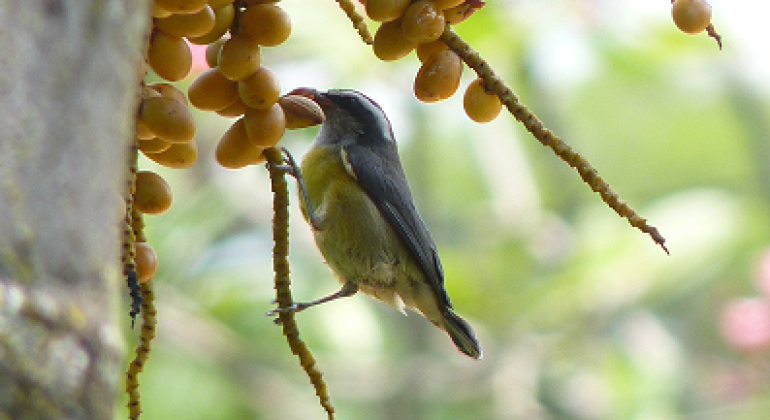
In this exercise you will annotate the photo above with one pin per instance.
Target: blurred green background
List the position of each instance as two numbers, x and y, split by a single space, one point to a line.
580 316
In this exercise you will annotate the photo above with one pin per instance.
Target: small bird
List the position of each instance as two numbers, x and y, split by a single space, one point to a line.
357 200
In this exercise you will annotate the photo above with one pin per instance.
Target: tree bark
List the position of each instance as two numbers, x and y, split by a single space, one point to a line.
68 83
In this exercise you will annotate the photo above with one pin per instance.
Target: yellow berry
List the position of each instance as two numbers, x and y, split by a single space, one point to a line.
479 105
179 155
145 260
168 119
266 24
422 22
159 11
386 10
390 43
143 133
439 77
212 52
426 50
235 150
260 90
691 16
169 91
216 4
265 127
153 194
239 58
195 24
459 13
223 20
235 109
211 91
181 6
169 56
447 4
153 145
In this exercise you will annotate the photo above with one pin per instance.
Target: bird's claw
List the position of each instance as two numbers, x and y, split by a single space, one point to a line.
293 308
290 165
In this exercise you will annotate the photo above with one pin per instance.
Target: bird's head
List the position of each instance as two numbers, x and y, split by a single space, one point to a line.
351 117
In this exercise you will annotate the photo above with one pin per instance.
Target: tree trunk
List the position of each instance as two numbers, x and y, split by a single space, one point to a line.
68 83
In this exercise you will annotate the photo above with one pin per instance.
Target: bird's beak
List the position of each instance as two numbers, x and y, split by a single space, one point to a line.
301 108
313 94
307 92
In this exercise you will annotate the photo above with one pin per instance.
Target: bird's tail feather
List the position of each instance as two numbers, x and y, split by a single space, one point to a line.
461 334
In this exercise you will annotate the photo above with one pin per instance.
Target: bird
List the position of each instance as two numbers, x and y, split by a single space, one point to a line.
355 196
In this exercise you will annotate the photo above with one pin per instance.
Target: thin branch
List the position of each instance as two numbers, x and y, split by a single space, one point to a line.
358 21
590 176
142 350
282 280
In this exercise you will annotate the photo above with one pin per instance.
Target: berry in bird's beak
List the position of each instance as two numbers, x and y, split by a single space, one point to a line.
313 94
301 109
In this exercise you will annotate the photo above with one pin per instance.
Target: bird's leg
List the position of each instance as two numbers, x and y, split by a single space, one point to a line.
348 289
292 169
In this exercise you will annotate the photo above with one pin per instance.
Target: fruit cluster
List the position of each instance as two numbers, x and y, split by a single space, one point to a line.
417 25
236 85
165 128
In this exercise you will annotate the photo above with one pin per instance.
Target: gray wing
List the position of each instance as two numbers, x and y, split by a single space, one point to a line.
386 186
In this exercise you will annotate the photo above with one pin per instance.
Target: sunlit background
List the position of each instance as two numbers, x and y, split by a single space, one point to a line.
580 316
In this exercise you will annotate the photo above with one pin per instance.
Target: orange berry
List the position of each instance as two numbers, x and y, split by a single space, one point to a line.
143 133
265 127
216 4
260 90
386 10
235 109
239 58
223 20
439 77
145 260
195 24
153 194
179 155
169 56
181 6
266 24
168 119
390 43
211 91
212 52
169 91
153 145
423 22
691 16
235 150
426 50
447 4
159 11
480 105
459 13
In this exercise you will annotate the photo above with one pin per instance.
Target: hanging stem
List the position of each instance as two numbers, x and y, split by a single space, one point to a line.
358 21
283 282
142 350
590 176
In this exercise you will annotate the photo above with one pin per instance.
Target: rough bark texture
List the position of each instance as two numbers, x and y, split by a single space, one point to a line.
68 77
